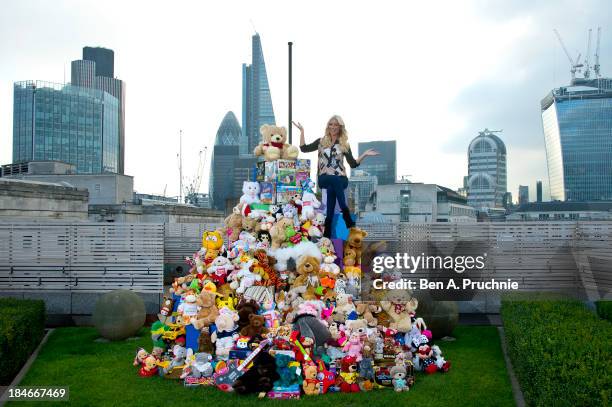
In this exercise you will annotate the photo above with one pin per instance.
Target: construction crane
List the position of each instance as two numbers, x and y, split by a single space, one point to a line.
596 65
192 190
575 66
486 132
587 67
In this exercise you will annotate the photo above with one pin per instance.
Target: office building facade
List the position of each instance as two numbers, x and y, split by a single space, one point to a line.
538 191
383 166
577 123
419 203
487 178
361 185
257 107
54 122
96 70
227 169
523 194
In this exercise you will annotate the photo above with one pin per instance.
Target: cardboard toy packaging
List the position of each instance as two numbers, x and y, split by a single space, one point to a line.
284 193
260 171
300 178
286 172
268 193
270 171
302 165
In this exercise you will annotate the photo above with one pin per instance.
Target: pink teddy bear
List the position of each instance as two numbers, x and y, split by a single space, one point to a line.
354 346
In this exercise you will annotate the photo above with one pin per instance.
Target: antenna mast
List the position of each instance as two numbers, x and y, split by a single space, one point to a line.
180 166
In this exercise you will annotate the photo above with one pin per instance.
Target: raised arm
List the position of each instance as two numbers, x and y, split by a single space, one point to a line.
306 148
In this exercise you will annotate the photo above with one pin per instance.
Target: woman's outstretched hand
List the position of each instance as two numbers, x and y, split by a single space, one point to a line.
298 125
370 152
301 128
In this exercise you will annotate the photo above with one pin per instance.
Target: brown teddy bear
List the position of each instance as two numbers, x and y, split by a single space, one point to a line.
233 224
255 327
274 144
400 313
307 268
250 225
245 309
278 232
367 311
207 309
355 242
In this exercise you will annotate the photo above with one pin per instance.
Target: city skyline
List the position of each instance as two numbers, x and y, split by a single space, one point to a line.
519 61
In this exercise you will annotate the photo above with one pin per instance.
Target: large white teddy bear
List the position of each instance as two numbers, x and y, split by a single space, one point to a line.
309 202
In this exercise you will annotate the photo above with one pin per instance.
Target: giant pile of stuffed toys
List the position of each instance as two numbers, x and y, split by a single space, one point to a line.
268 307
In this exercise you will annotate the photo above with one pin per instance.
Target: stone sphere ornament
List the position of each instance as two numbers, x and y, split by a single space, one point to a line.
441 317
119 314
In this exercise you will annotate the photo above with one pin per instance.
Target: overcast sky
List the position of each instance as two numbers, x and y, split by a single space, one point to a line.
427 75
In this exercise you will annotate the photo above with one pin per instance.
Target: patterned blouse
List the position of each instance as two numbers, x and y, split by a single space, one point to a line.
331 160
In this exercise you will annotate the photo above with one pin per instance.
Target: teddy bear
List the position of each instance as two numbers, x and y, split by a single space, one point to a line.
245 309
226 333
287 372
354 346
344 305
219 269
398 378
255 327
278 231
355 242
233 225
260 377
311 385
250 225
358 326
204 341
367 311
347 379
307 268
207 310
250 193
401 314
274 144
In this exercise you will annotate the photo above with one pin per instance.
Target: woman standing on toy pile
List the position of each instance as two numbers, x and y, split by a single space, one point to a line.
333 148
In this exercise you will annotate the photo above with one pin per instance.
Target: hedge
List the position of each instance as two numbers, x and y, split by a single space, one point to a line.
560 350
604 309
22 324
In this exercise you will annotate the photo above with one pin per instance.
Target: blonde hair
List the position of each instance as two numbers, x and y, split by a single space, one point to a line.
326 141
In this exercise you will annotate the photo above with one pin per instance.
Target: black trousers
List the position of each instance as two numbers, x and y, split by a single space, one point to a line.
335 186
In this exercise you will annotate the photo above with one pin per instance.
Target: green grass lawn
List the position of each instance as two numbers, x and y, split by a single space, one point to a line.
102 374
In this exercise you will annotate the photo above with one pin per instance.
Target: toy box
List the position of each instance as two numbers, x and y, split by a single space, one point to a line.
302 165
260 171
300 178
270 171
268 193
286 172
284 193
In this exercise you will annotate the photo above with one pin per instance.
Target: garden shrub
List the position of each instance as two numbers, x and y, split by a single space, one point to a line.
22 324
561 351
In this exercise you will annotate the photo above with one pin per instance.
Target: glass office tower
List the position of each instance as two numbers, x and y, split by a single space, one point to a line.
225 151
383 166
256 99
66 123
577 124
